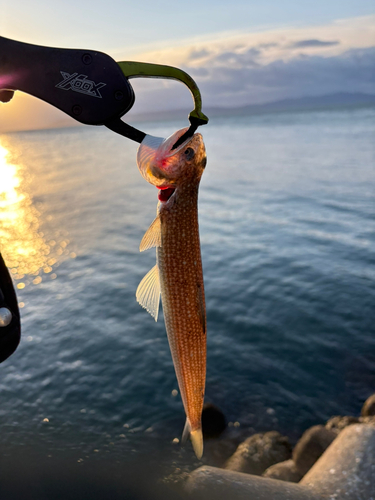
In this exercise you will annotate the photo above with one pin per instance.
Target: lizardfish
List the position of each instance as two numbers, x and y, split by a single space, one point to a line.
177 275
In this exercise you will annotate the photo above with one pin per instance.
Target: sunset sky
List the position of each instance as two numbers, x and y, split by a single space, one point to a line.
241 52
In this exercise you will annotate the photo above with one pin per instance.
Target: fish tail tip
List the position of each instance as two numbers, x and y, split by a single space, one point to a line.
197 442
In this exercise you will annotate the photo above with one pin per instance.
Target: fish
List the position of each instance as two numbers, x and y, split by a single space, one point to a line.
177 277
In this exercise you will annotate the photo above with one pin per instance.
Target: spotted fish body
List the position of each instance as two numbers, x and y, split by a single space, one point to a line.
178 275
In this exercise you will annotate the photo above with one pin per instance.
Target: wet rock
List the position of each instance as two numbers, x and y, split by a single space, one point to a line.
311 446
338 423
259 452
368 408
217 451
367 420
213 421
284 471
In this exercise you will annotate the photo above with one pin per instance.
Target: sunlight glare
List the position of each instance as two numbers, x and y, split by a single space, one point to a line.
22 245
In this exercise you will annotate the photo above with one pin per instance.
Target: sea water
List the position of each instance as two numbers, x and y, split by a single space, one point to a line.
287 224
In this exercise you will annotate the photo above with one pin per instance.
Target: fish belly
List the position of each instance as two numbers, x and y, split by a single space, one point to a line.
182 294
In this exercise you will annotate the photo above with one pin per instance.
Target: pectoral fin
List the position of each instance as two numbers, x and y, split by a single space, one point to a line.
152 237
148 292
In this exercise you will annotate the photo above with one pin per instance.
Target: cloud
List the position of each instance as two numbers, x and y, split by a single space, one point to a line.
314 43
241 78
234 69
357 32
198 54
253 68
232 79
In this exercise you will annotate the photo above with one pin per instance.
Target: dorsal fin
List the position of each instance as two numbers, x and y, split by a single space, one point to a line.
148 292
152 237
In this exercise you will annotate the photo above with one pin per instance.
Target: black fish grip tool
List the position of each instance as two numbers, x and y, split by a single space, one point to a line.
87 85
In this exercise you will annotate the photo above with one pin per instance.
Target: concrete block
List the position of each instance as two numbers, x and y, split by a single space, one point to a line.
346 471
220 484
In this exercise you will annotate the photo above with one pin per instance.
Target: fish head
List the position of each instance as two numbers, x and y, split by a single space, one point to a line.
165 167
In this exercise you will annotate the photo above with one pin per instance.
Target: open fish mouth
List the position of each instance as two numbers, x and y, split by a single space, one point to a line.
165 193
155 155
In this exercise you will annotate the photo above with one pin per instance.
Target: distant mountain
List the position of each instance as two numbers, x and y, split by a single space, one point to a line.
52 118
309 102
330 101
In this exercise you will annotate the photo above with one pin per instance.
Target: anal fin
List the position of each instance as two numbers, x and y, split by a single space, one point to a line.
148 292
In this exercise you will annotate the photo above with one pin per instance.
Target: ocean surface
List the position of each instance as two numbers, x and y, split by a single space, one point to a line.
287 224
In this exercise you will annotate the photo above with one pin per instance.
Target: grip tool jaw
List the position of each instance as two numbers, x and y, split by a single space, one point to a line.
132 69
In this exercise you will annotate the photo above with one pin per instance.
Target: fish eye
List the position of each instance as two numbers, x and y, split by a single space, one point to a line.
189 153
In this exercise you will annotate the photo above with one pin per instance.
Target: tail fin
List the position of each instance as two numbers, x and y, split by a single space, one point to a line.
197 442
196 438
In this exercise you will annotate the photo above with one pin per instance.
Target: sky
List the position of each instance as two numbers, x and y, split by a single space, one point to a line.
239 52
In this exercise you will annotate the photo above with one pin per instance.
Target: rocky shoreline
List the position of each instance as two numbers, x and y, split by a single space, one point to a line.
270 455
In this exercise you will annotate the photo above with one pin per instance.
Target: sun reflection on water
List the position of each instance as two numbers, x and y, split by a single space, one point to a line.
23 245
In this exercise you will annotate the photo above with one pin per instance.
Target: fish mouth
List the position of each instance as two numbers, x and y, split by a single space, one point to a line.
165 193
